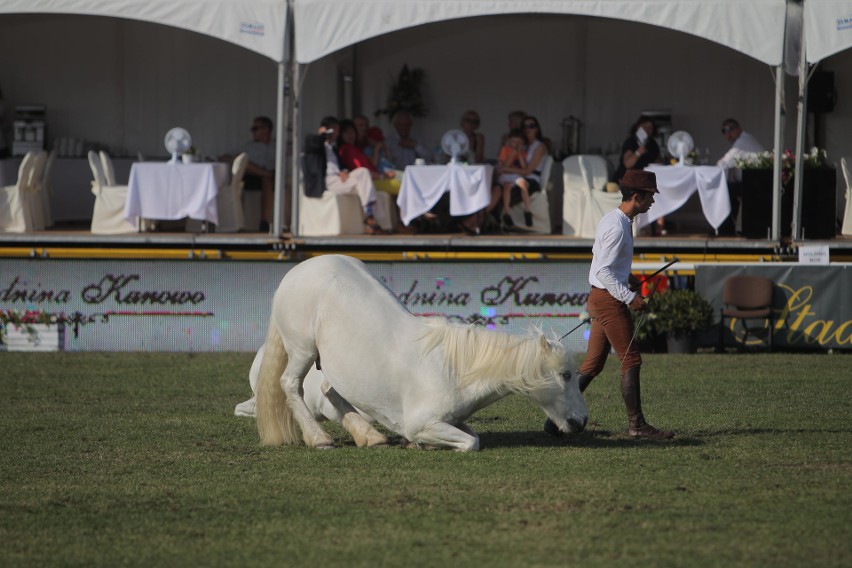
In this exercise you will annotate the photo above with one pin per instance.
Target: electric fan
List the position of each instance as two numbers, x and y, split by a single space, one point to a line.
177 142
454 143
680 144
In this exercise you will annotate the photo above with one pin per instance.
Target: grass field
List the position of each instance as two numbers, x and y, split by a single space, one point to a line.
136 459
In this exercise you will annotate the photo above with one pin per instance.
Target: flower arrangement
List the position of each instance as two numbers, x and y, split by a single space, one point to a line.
406 93
816 158
28 318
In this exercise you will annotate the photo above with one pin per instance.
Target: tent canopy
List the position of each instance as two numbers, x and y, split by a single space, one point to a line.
753 27
828 28
257 25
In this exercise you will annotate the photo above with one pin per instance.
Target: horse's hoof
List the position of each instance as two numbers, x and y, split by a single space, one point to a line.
325 447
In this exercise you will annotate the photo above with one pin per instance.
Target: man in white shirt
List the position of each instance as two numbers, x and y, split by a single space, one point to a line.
402 148
613 294
742 145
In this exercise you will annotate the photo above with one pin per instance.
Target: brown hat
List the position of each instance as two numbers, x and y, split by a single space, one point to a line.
640 180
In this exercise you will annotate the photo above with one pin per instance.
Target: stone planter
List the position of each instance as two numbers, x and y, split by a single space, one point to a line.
35 337
685 345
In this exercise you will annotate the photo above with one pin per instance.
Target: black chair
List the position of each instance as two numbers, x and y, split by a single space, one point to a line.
747 298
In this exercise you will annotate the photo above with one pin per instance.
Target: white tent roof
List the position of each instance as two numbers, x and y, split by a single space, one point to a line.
753 27
257 25
828 28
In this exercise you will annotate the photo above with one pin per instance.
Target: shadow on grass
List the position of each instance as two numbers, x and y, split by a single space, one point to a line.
590 439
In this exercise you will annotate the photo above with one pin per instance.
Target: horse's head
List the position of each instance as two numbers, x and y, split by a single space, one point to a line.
561 399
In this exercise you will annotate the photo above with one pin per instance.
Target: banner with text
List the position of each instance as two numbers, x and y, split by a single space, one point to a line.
812 303
210 305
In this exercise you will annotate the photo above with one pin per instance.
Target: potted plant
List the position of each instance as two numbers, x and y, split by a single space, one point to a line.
681 314
30 330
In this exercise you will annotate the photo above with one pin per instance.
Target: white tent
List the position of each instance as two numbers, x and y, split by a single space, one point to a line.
754 28
257 25
827 31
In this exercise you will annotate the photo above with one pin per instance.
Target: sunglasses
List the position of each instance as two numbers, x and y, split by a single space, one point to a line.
727 129
530 125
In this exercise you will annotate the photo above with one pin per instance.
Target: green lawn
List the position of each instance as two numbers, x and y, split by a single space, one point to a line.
136 459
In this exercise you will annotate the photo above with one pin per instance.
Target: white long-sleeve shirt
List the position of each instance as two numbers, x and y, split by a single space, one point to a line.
743 146
612 255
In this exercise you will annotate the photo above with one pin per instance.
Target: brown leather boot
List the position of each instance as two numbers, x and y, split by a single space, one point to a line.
631 394
583 380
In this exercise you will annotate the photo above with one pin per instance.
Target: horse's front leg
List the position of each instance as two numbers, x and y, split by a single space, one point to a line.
291 382
362 431
447 435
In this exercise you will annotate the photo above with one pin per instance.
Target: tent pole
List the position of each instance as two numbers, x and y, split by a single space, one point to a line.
282 100
801 125
294 168
776 166
280 145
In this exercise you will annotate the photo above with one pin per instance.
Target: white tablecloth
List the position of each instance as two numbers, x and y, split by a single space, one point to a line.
422 187
678 183
157 190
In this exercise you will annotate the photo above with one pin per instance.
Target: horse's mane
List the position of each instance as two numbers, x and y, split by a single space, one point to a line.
504 361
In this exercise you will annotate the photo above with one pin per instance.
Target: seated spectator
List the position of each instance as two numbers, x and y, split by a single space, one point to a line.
402 148
260 172
512 156
637 152
534 151
742 144
323 172
476 140
352 157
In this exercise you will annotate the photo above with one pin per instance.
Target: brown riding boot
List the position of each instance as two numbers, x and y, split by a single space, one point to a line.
583 380
630 392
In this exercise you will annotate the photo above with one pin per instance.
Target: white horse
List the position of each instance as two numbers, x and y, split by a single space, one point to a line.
420 378
323 402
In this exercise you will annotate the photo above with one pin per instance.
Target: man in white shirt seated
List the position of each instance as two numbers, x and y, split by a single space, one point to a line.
404 149
742 145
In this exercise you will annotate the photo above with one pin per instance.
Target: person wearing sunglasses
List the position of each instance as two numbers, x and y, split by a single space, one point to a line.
533 152
742 145
638 151
260 172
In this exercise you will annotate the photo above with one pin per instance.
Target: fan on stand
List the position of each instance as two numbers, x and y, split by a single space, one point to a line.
680 144
454 143
177 142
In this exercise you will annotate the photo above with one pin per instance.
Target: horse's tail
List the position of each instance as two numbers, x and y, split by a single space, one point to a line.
275 422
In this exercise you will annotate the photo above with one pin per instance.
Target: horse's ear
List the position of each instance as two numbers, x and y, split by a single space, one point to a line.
545 346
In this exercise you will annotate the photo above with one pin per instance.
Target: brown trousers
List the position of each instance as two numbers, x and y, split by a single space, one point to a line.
612 325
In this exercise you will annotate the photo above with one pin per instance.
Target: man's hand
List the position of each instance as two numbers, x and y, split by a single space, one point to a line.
633 283
638 304
344 175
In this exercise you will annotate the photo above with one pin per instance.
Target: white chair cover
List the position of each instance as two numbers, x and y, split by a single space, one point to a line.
539 206
47 188
229 199
15 216
108 214
34 192
585 201
330 215
108 169
846 229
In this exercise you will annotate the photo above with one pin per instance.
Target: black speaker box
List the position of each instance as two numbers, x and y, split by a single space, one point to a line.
821 94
